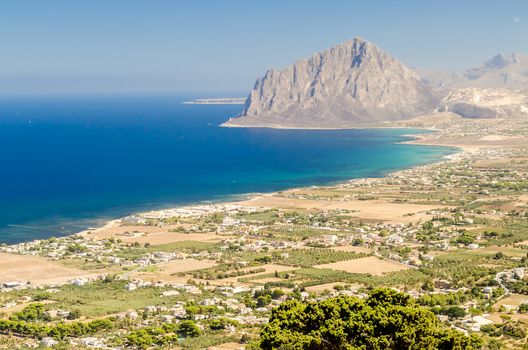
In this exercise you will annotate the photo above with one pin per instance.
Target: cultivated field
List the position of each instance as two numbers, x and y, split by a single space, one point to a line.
371 265
351 248
376 210
268 268
320 288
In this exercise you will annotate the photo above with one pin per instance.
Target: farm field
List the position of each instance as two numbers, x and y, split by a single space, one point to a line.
369 265
328 287
37 270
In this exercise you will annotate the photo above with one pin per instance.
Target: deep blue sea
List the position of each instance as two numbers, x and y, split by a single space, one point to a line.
74 162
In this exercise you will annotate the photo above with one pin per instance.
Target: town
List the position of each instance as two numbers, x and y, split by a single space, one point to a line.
452 234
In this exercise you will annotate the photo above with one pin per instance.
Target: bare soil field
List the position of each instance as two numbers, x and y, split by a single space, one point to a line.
37 270
496 317
171 237
512 300
378 210
186 265
373 265
152 234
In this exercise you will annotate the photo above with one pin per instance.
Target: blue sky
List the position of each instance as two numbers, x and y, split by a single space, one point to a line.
221 46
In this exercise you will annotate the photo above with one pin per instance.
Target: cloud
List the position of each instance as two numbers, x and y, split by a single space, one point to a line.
516 19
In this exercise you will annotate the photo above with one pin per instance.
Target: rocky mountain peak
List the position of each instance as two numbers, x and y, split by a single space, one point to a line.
350 84
498 61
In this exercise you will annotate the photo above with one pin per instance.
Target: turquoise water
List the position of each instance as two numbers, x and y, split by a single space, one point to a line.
72 163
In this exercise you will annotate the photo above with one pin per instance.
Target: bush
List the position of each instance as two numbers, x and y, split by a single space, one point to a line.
523 308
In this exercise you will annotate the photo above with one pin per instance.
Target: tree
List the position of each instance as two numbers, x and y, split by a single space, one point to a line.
188 328
74 314
32 312
456 312
385 320
498 256
523 308
263 300
218 323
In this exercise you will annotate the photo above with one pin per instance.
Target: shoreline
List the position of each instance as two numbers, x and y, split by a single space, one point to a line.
252 197
415 139
230 199
344 127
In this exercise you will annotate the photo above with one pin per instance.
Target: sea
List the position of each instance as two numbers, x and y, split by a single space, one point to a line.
71 163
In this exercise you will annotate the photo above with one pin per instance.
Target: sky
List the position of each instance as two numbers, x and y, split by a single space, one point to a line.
221 46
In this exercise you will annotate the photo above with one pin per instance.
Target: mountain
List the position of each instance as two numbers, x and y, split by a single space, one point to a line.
501 71
354 83
485 103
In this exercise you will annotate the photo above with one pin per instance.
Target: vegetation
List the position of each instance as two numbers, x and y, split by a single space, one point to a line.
59 331
165 335
385 320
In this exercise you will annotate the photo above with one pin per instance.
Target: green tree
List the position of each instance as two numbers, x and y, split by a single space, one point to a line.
385 320
263 300
456 312
32 312
189 328
523 308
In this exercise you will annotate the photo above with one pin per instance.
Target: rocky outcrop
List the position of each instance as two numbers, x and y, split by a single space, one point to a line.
352 84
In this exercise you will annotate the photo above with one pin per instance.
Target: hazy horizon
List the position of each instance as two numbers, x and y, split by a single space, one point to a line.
58 47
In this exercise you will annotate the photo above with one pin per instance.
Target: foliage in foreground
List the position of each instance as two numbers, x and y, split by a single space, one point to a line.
385 320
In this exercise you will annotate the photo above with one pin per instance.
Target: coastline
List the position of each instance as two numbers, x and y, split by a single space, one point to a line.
246 199
414 139
343 127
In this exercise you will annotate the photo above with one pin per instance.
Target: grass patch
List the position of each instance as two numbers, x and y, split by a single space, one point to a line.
102 298
182 246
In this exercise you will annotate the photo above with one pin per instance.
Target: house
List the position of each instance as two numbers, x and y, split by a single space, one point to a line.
132 314
49 342
79 282
92 342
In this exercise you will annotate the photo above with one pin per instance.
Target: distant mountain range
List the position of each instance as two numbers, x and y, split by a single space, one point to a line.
501 71
358 84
